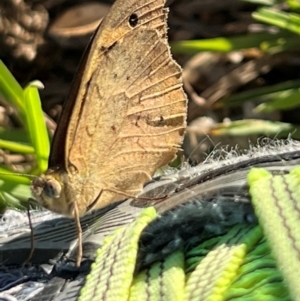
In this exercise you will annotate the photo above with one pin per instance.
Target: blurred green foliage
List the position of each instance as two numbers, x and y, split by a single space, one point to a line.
285 17
30 138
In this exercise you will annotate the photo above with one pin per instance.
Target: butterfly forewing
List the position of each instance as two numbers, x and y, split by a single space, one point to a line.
128 116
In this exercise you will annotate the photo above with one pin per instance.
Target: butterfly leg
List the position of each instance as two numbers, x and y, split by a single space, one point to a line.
31 234
79 235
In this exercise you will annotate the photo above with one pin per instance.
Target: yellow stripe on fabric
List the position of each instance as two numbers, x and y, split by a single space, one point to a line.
214 274
218 262
277 203
163 281
112 272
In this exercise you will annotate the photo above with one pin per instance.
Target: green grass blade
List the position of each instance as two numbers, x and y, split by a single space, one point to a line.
16 147
288 21
259 94
264 2
284 100
10 177
36 125
11 91
8 200
294 4
14 190
253 127
264 41
15 135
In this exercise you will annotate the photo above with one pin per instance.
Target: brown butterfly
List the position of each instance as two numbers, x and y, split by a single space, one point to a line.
124 118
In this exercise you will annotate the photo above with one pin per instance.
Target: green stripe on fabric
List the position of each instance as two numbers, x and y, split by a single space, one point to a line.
277 204
112 272
216 270
255 277
163 281
258 277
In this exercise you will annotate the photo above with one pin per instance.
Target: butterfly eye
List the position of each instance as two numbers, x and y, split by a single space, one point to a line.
52 189
133 19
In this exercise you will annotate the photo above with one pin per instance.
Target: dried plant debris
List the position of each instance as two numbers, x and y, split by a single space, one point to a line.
21 29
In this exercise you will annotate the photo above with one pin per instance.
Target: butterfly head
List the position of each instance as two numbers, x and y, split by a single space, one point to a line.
48 191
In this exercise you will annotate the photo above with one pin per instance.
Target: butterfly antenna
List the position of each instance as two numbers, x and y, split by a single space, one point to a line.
30 200
18 175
